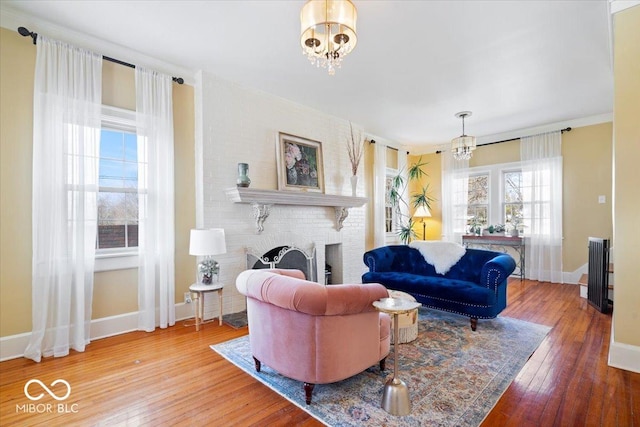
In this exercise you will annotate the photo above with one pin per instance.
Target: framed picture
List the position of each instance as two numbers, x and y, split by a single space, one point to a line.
300 165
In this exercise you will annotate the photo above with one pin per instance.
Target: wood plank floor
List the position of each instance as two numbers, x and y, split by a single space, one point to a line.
171 377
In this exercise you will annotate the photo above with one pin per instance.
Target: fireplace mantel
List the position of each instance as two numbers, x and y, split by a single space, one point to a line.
262 200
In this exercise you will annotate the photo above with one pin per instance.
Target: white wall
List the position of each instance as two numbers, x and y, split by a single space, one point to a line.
238 124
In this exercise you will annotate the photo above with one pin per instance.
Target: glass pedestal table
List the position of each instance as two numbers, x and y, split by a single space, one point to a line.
395 397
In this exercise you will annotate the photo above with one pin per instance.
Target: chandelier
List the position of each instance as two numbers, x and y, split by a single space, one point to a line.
328 32
463 145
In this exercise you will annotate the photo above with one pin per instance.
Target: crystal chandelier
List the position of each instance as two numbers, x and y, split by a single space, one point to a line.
328 32
463 145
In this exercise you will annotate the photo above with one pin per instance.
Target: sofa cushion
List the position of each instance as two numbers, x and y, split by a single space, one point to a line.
434 286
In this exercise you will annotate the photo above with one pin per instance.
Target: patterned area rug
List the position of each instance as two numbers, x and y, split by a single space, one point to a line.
455 376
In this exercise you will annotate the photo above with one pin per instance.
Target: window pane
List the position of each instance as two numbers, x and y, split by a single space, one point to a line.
513 187
111 235
118 196
478 189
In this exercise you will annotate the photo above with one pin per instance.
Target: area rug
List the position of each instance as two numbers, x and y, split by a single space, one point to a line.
455 376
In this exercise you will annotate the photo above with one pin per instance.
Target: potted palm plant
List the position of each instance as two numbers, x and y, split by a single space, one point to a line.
399 184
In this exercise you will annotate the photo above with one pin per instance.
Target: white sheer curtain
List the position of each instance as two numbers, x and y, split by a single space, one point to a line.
66 148
404 207
156 274
379 194
455 184
542 205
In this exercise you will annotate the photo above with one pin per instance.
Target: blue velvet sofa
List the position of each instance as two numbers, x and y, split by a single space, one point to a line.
476 286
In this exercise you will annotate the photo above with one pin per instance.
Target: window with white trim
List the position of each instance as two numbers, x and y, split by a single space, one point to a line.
117 236
512 208
495 195
390 222
478 198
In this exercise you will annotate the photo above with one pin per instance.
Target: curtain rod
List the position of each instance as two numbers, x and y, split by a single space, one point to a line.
26 33
373 141
567 129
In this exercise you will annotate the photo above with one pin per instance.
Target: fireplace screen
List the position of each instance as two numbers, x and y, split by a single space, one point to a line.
284 257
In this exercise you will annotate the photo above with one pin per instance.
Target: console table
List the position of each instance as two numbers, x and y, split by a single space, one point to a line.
500 243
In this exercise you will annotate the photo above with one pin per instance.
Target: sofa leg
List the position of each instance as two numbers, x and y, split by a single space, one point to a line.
474 323
383 363
257 363
308 389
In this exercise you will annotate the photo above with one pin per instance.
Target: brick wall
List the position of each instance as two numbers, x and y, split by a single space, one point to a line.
237 124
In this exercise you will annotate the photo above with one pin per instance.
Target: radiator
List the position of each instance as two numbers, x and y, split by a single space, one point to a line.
598 276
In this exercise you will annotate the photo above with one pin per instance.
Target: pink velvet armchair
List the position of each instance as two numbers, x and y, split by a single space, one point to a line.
310 332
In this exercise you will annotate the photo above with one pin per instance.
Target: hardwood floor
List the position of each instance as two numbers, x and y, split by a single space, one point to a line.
172 377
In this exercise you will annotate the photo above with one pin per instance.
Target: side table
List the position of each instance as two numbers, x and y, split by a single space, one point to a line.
395 397
200 290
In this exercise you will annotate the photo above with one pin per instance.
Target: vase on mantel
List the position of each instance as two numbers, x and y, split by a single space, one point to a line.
354 185
243 180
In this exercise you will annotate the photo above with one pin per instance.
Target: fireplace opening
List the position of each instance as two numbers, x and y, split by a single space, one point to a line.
289 257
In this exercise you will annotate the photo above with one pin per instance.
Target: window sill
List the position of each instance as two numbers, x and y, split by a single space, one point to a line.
116 261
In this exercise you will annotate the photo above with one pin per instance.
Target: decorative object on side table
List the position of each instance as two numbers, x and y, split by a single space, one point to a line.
299 162
207 243
494 229
355 149
475 225
243 179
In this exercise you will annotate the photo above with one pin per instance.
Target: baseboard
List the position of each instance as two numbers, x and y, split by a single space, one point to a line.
13 346
624 356
572 277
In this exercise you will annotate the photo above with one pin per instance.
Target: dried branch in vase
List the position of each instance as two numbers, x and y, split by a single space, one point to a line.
355 149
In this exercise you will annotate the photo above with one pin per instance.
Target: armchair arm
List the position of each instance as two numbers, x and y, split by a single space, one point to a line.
297 294
497 270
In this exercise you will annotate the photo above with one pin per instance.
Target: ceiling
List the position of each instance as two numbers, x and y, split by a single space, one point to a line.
515 64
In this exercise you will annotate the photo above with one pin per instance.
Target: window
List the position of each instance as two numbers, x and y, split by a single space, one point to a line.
117 239
478 199
512 199
118 190
494 195
389 212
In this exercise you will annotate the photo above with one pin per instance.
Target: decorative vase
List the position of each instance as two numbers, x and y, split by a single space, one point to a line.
243 180
514 232
354 185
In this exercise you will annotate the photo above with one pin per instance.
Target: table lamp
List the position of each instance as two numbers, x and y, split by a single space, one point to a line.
207 243
423 212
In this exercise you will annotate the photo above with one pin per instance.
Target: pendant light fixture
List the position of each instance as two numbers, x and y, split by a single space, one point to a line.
463 145
328 32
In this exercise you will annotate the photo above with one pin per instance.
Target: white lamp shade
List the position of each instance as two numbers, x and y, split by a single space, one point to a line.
207 242
422 212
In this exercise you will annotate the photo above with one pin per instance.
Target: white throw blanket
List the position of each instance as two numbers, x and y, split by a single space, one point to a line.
442 255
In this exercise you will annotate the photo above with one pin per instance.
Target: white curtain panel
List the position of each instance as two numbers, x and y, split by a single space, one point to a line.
156 274
542 205
404 207
66 148
379 193
455 184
